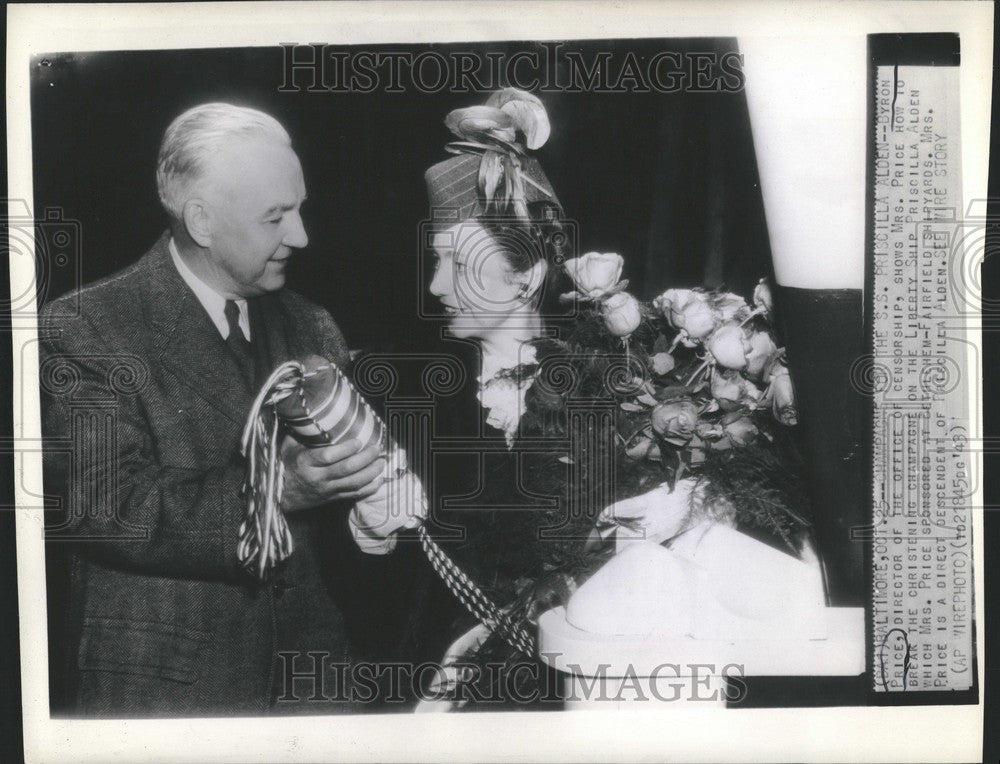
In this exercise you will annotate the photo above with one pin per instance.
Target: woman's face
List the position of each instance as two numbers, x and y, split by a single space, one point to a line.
474 280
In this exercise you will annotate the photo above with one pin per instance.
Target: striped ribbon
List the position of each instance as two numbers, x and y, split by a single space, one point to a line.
265 539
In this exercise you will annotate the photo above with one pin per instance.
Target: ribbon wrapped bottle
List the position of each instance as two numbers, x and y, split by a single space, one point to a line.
316 403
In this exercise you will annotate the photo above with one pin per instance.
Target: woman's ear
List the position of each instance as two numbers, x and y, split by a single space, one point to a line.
534 277
197 222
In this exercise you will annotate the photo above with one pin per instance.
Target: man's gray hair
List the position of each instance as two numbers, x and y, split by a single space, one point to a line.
195 136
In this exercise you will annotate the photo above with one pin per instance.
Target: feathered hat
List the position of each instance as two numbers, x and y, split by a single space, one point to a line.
492 173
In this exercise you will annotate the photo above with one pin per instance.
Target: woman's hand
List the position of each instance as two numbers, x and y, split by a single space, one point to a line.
398 503
444 693
657 515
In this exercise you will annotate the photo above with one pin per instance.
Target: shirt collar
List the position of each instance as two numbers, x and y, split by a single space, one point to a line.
213 302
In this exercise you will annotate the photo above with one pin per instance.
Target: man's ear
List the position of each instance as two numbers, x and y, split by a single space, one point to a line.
197 222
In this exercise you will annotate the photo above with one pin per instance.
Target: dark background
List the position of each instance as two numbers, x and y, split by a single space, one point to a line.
96 127
666 180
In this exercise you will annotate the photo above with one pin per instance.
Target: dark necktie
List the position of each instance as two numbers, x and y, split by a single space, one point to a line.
238 343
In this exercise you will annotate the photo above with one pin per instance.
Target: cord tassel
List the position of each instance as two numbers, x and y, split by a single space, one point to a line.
265 538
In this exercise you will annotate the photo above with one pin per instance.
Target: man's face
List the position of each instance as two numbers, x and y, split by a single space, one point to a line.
254 190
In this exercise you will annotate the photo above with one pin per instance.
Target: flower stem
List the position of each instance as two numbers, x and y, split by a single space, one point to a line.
754 312
697 373
647 430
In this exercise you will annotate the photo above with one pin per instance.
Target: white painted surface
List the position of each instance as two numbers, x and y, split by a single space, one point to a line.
807 101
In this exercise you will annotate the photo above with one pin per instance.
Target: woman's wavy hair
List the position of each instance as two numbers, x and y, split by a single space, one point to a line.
547 236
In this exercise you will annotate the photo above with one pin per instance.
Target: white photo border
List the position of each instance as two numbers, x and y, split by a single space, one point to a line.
921 733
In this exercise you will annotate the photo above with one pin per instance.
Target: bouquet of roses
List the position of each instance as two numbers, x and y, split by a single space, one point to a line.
703 409
700 384
704 399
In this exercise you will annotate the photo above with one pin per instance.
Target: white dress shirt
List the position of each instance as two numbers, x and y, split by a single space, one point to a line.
213 302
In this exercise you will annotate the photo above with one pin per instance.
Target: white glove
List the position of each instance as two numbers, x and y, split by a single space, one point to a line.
656 515
400 502
451 673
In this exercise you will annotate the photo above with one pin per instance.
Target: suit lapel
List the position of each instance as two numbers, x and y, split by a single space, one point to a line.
187 343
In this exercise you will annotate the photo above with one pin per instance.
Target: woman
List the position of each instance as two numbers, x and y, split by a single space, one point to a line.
497 247
524 516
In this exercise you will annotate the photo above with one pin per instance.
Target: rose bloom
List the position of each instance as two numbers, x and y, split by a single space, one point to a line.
726 387
594 274
687 310
762 349
762 296
663 363
643 448
729 346
741 432
732 391
675 421
621 314
783 397
730 307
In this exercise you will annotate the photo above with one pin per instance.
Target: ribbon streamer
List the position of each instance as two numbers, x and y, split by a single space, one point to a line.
500 161
265 538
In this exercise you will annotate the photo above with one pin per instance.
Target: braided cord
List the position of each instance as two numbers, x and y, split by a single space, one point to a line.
473 598
265 538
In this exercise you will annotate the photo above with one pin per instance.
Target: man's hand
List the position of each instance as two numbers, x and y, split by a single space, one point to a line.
315 476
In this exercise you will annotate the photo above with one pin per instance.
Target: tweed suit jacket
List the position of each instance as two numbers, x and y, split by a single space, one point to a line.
143 408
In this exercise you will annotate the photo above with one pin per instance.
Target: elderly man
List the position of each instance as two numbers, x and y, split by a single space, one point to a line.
148 388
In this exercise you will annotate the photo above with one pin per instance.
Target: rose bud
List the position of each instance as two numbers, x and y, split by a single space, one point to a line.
621 314
708 430
595 274
643 448
729 346
696 318
726 388
663 363
741 432
783 397
762 296
733 391
687 310
675 422
730 307
762 349
666 301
